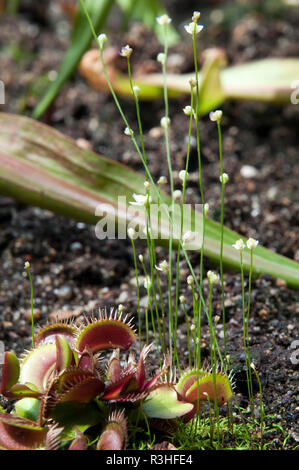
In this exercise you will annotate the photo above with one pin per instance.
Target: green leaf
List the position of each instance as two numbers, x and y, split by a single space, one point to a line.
266 80
163 403
81 415
42 167
28 408
80 41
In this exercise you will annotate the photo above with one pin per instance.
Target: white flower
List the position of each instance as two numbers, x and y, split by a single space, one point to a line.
128 131
183 174
161 57
177 195
252 243
147 282
165 122
196 15
188 236
206 208
162 180
163 20
252 365
216 116
102 38
126 51
131 233
190 280
146 185
212 277
140 257
121 308
182 299
26 265
239 245
223 178
188 110
136 90
193 27
140 200
192 82
163 266
192 328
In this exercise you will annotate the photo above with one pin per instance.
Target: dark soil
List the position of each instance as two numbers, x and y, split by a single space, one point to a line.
74 273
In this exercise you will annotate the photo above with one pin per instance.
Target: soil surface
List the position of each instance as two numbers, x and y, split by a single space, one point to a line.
75 274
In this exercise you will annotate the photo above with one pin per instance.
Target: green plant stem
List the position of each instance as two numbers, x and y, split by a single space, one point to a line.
222 235
31 303
201 194
199 286
138 294
182 223
245 329
247 332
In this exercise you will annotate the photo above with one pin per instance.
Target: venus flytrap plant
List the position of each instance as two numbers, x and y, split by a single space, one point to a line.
67 382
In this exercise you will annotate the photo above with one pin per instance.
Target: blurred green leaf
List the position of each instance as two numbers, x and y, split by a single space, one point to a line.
41 167
80 41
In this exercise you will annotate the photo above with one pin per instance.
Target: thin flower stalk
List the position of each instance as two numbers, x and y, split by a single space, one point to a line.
185 175
222 233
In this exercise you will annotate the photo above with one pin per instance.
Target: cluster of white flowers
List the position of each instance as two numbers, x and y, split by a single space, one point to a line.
102 38
188 236
162 180
131 233
239 245
224 178
190 280
165 122
212 277
177 195
193 28
161 58
216 116
251 244
188 110
126 51
128 131
163 20
141 200
136 91
163 266
206 208
183 174
182 299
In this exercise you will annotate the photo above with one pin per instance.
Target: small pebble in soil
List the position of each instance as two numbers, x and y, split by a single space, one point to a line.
64 292
248 171
36 315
